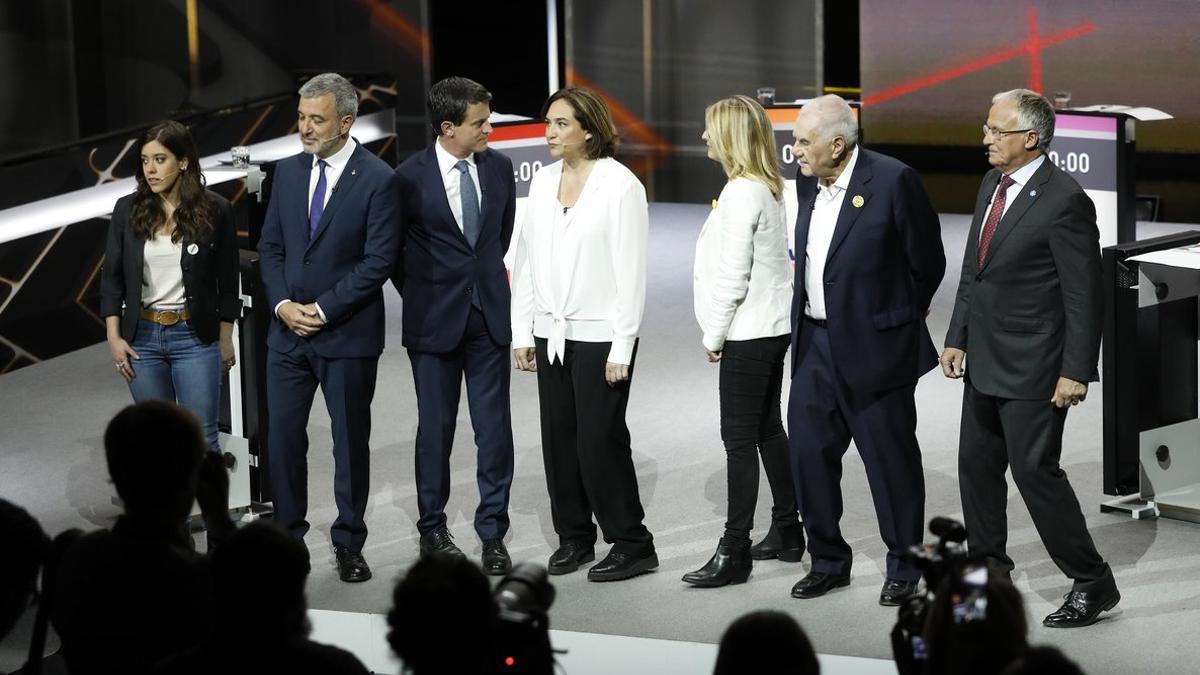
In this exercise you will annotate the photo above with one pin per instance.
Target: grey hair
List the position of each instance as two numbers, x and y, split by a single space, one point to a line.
345 96
837 119
1033 112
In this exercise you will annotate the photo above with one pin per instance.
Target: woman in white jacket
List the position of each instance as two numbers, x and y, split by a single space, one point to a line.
743 297
579 288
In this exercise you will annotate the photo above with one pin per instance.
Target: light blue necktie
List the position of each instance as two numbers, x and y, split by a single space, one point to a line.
318 200
470 203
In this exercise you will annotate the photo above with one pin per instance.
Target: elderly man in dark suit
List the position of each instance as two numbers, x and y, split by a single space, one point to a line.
328 244
1028 311
868 260
459 203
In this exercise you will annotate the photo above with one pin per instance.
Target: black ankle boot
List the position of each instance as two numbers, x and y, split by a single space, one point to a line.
785 542
729 565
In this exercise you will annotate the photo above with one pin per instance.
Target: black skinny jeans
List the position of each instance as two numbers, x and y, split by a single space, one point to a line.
751 380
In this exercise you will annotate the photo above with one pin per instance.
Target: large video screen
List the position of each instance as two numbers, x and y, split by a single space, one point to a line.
929 68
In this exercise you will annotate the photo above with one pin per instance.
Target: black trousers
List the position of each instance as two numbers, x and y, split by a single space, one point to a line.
751 380
824 414
1026 436
586 450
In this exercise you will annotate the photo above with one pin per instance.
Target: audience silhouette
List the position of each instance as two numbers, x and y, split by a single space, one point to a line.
441 617
766 642
26 547
128 597
1043 660
977 630
261 612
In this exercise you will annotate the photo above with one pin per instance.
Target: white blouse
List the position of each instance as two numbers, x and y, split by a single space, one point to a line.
582 275
743 278
162 273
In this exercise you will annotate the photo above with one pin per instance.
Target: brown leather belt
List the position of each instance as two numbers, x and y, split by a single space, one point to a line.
165 317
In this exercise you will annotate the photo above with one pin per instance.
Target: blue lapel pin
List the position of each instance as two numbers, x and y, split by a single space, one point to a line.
1033 193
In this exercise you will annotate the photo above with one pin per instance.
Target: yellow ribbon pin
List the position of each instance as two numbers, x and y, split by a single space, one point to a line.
858 201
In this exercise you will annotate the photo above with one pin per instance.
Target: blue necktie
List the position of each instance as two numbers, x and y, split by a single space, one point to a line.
470 203
318 200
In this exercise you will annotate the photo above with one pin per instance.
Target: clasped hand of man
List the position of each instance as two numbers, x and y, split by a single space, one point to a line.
1067 392
303 320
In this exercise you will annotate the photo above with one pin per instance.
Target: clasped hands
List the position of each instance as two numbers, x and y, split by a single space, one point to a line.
303 320
1067 392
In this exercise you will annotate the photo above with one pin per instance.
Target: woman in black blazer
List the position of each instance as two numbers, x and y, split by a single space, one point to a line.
169 287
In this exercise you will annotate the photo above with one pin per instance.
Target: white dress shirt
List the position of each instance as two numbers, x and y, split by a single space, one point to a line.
1020 177
335 164
582 275
333 171
826 208
451 178
743 280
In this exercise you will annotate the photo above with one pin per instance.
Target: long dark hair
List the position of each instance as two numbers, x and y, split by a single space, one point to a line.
195 214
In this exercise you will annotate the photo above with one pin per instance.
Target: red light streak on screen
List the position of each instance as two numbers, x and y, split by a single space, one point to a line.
1031 47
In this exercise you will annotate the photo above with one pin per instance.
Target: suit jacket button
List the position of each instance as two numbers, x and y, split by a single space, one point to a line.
468 289
307 262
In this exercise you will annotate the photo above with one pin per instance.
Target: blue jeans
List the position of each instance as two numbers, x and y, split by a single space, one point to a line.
176 366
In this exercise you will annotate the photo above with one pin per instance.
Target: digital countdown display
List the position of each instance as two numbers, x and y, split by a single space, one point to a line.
525 144
1089 148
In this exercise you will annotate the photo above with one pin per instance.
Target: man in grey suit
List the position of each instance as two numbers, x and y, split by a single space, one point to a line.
1028 312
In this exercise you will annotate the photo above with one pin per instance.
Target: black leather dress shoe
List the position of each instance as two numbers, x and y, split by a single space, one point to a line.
1082 608
618 566
495 557
816 584
569 557
439 542
783 542
352 566
895 592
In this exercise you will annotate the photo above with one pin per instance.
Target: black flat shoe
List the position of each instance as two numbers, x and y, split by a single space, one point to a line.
569 557
618 566
896 591
352 566
495 558
439 542
817 584
783 542
1082 608
731 564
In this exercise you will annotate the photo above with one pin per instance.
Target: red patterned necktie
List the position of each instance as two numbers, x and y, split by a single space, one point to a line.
993 219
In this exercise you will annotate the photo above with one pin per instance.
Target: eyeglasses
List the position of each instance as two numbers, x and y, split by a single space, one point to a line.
1001 133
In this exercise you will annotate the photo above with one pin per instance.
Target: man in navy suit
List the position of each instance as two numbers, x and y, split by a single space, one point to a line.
868 260
459 202
328 244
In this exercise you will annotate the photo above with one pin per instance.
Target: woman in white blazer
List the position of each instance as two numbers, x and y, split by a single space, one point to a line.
743 298
579 288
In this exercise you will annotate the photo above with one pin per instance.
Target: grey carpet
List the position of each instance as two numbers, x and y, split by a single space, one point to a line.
52 418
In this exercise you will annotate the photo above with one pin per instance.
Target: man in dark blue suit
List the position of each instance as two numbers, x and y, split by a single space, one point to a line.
328 244
458 204
868 260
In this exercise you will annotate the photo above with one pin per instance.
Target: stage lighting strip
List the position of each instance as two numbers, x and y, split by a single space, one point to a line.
96 202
